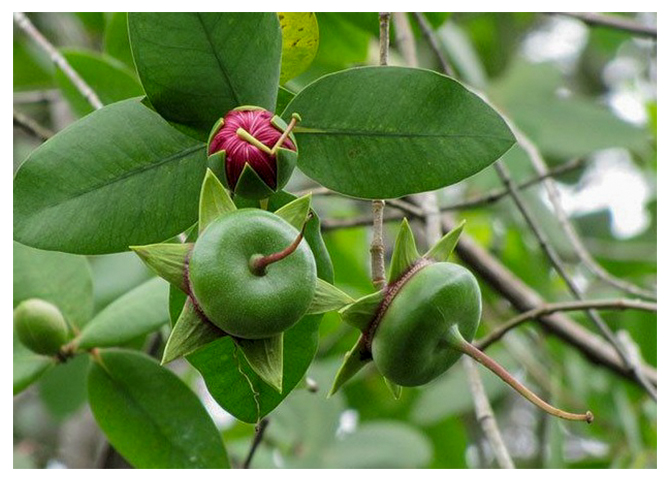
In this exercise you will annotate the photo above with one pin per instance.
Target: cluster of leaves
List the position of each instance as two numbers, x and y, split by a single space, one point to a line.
66 202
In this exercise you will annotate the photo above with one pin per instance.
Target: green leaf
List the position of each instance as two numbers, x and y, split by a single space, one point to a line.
109 79
119 176
195 67
190 332
28 366
405 254
300 42
363 311
59 278
63 389
150 416
115 41
441 251
266 357
284 97
354 360
296 212
138 312
411 131
328 298
214 201
167 260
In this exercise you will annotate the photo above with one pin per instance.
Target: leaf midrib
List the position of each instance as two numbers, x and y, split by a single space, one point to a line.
352 133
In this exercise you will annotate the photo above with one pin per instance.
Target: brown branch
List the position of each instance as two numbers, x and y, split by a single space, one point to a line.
27 26
613 22
258 438
605 304
30 126
427 31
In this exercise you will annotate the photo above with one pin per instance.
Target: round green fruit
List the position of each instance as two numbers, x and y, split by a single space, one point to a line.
409 344
40 326
238 298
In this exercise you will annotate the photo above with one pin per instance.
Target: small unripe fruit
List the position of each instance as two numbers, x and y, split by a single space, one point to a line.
237 295
408 344
40 326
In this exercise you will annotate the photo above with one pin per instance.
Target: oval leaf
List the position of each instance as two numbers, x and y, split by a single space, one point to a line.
138 312
150 416
195 67
300 42
410 131
119 176
28 366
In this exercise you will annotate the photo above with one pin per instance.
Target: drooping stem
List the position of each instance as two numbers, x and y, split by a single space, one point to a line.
456 341
259 263
249 138
295 118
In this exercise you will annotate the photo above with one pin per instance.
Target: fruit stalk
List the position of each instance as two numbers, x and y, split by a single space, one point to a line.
455 340
259 263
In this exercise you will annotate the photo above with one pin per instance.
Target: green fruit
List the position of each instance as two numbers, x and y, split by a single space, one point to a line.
40 326
409 345
235 297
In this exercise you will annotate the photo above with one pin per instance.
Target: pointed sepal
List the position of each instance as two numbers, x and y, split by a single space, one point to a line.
190 332
216 162
443 249
354 360
327 298
363 311
167 260
394 388
265 357
250 185
296 211
214 201
286 161
405 253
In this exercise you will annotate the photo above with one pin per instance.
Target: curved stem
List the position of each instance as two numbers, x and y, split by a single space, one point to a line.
259 263
455 340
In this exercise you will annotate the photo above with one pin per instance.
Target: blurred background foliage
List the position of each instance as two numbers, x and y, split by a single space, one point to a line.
578 92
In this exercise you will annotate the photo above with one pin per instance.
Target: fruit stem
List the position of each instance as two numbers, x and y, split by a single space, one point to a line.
259 263
249 138
295 118
455 340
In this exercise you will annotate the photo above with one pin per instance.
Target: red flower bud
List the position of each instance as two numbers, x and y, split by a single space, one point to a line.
240 150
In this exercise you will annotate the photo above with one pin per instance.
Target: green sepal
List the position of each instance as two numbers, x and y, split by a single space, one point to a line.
190 332
327 298
266 357
286 161
215 129
214 201
354 360
394 388
216 162
441 251
250 185
296 212
167 260
405 253
245 108
360 313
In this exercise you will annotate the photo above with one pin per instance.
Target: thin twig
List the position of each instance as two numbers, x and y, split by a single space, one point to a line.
612 21
572 286
485 416
258 437
404 39
583 254
36 96
30 126
604 304
427 31
27 26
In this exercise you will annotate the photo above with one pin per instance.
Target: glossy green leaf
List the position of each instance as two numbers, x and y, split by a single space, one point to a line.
138 312
195 67
409 131
119 176
167 260
405 254
28 366
63 389
300 42
115 41
191 332
266 357
328 298
229 379
150 416
214 201
108 78
441 251
59 278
